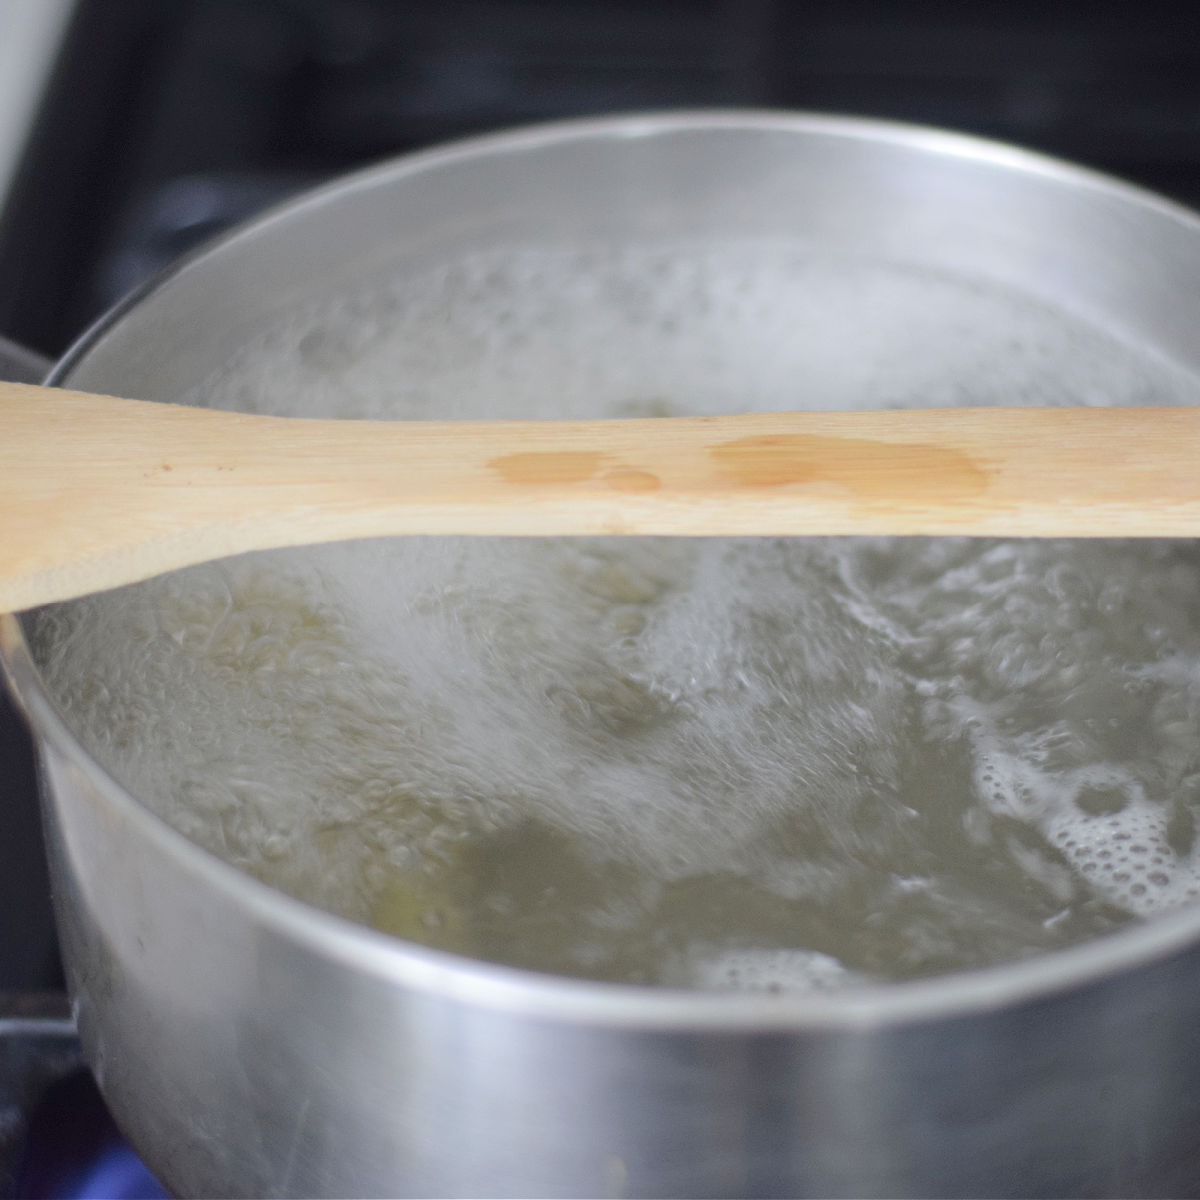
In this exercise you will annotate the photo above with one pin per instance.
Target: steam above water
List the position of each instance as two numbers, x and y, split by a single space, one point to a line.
720 763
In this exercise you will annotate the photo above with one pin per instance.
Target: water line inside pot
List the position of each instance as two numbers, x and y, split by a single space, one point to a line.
785 764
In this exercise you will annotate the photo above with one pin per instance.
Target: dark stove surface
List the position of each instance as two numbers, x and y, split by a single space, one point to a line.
167 122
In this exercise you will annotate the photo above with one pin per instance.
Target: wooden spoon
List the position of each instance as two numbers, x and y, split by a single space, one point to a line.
97 492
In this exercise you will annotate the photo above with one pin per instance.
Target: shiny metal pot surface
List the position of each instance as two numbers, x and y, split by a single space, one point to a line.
251 1045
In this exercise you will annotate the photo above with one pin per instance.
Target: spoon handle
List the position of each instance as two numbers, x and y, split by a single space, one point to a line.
96 491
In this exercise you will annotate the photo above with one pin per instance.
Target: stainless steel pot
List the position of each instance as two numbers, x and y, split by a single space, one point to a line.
251 1045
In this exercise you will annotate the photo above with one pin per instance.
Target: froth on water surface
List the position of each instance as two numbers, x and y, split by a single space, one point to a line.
743 763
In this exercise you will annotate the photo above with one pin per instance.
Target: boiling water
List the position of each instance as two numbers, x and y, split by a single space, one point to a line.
727 763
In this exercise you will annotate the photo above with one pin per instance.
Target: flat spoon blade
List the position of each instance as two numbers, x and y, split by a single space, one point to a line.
96 492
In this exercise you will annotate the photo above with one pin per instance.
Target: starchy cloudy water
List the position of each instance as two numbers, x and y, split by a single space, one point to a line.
718 763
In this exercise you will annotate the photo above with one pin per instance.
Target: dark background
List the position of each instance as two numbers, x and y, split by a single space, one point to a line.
169 119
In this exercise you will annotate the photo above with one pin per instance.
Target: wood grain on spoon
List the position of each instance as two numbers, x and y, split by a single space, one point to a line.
97 492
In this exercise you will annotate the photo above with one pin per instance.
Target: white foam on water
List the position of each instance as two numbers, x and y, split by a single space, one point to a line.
755 970
756 763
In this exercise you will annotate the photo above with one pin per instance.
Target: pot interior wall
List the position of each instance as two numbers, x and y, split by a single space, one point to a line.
931 201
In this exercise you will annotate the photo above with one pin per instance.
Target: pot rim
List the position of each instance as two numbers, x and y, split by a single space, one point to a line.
478 982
